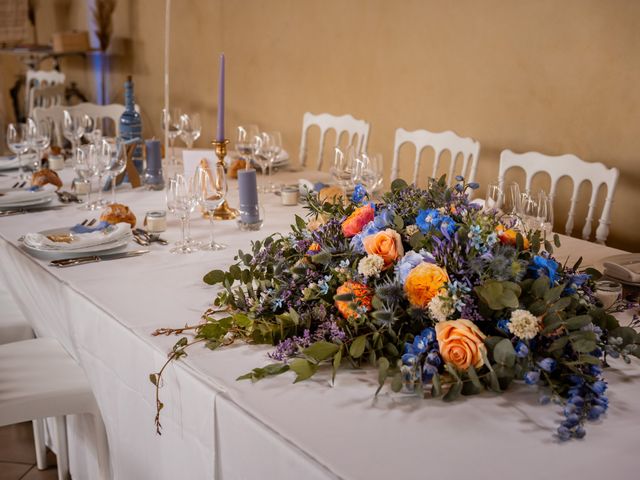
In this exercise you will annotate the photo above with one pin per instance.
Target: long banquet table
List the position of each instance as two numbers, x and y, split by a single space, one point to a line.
216 427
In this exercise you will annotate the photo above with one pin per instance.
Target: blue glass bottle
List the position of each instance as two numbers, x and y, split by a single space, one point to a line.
131 123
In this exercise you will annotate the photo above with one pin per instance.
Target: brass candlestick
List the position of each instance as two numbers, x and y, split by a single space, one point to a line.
224 211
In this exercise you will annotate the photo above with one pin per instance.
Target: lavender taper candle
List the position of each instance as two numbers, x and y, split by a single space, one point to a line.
220 131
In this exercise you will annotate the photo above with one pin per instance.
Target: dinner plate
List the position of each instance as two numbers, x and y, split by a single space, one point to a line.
10 162
38 202
109 247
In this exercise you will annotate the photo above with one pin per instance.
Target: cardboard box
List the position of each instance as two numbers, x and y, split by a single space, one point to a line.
70 42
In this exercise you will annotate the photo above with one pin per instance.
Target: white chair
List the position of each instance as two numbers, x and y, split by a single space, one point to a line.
465 149
39 379
46 96
40 78
357 133
579 171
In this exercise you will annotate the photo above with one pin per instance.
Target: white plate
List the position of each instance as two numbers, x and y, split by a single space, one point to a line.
81 252
9 162
29 204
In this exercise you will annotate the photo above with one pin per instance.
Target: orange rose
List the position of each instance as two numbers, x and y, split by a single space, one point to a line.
423 283
461 343
387 244
355 222
508 237
362 298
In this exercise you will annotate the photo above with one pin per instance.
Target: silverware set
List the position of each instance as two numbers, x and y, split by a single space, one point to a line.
72 262
144 238
19 184
68 197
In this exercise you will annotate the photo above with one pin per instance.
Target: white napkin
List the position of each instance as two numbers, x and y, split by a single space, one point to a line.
80 240
20 196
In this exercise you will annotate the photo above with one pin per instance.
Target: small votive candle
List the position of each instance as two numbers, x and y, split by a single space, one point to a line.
82 187
156 221
608 292
56 162
289 195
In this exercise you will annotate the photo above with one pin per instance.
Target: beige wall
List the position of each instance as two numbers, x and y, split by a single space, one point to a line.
556 77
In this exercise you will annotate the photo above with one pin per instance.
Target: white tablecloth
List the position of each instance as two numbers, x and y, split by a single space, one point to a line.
215 427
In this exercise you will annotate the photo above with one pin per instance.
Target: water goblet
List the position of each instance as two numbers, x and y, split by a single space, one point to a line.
171 124
211 189
38 138
73 127
272 146
245 142
190 128
545 212
181 201
17 143
117 163
82 167
494 199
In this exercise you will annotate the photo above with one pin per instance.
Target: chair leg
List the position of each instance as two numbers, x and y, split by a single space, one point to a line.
41 447
63 452
102 448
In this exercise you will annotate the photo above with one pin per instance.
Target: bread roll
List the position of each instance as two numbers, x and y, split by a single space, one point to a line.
116 213
331 195
44 176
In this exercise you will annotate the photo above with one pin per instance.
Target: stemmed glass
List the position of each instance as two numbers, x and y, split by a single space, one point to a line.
343 165
271 146
211 189
99 161
545 212
261 157
171 124
529 210
181 201
17 143
73 128
92 130
246 142
117 163
82 166
494 199
190 128
38 138
367 170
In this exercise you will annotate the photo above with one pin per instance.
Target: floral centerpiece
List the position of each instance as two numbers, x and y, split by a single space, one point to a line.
443 298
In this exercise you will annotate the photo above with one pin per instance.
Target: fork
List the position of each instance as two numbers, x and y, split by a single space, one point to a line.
19 185
87 223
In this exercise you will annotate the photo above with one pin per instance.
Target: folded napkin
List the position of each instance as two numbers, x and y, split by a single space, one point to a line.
10 162
79 228
110 234
18 196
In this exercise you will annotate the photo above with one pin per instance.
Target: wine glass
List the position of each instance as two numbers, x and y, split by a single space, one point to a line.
38 138
181 201
367 170
260 155
83 169
99 161
73 128
211 189
117 163
93 130
171 124
272 146
17 143
190 128
529 210
545 212
494 199
245 142
344 162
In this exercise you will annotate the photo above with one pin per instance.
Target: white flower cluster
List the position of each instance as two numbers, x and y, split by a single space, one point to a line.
441 307
371 265
411 230
523 324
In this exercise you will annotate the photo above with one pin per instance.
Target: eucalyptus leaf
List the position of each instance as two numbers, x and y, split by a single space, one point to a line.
213 277
357 347
303 368
504 353
321 350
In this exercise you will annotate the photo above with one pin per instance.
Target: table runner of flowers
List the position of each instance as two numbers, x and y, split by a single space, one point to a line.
442 297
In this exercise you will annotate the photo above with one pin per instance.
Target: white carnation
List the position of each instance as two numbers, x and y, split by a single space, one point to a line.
441 307
411 230
371 265
524 324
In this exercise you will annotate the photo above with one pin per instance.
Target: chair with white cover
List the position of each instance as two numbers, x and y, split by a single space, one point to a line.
39 379
579 171
357 132
39 79
462 149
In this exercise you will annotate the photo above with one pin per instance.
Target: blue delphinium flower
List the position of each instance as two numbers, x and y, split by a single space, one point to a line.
383 218
576 281
547 364
503 325
522 350
359 193
448 227
410 260
428 219
356 242
532 377
544 266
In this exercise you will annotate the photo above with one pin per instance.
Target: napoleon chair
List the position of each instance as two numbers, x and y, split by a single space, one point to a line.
464 150
357 132
579 171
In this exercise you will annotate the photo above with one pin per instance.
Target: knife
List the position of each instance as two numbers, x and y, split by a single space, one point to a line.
72 262
20 211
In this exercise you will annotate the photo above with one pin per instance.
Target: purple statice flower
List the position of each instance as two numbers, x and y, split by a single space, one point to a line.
290 346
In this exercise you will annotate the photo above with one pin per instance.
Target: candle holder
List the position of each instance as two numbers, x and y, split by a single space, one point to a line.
224 211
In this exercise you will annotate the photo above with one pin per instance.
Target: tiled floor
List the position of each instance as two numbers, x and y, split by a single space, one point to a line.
18 458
